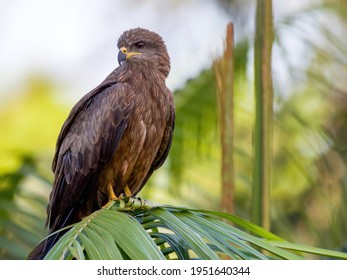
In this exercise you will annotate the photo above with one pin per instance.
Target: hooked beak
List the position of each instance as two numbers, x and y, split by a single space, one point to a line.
124 54
121 56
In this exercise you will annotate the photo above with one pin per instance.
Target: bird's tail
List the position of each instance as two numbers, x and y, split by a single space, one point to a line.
41 250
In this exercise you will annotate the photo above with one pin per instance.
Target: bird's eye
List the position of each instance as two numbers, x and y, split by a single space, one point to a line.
139 44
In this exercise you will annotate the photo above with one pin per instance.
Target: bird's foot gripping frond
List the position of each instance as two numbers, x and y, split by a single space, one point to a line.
132 203
126 193
129 203
125 196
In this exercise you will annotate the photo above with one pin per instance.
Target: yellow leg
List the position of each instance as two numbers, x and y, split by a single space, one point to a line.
111 196
127 191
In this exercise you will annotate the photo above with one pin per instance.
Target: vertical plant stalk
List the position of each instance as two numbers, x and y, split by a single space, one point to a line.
224 69
260 207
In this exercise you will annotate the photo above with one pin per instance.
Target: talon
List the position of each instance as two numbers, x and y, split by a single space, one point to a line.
122 196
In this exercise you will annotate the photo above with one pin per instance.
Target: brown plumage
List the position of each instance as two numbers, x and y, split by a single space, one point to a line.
114 137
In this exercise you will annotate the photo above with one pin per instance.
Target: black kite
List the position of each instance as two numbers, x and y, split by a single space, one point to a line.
114 137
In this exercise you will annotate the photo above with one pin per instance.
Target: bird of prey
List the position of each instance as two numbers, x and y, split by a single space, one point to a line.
114 137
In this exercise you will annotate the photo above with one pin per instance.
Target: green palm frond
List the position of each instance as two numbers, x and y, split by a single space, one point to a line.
134 229
22 209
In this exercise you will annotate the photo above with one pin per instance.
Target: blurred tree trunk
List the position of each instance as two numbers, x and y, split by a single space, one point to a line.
224 69
260 209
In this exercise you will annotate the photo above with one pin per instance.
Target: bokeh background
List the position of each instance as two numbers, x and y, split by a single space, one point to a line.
54 52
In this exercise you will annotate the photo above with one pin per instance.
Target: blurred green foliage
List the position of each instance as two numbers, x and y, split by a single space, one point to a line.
30 122
23 200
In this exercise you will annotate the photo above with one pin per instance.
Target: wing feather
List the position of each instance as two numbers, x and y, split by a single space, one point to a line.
88 139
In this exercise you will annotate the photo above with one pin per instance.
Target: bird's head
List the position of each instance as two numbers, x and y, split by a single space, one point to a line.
140 46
